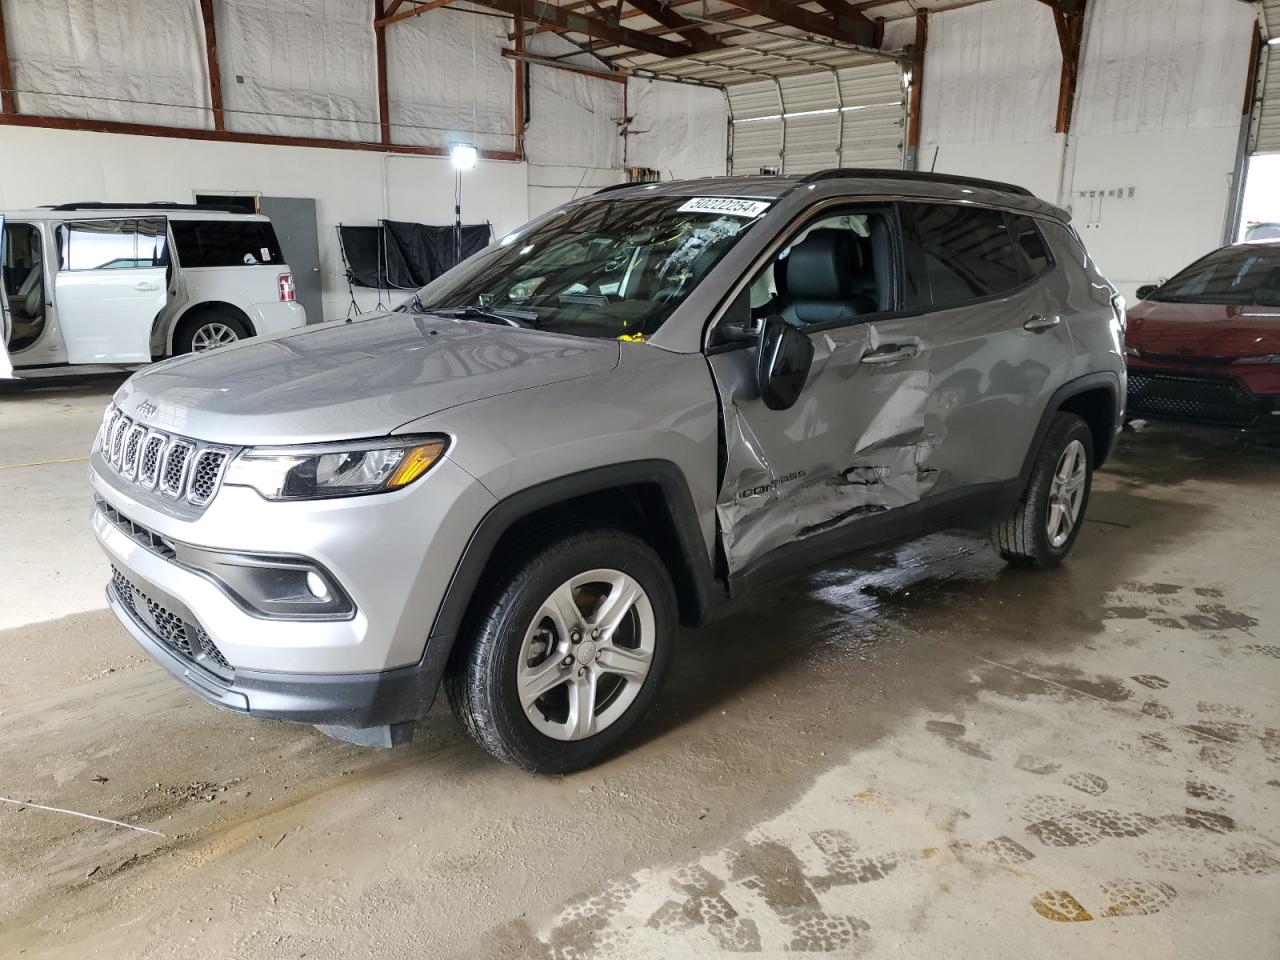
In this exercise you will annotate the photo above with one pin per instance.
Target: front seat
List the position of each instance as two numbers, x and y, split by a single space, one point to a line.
823 274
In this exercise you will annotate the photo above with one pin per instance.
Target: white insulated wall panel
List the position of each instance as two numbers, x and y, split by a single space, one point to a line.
991 74
1163 65
678 129
303 68
448 82
131 62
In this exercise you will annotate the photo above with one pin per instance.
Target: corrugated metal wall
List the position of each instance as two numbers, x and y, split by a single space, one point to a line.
849 117
1267 131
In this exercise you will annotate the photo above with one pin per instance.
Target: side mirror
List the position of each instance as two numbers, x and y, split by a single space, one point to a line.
1147 290
782 365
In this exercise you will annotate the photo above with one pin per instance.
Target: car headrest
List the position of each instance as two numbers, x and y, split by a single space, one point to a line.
823 265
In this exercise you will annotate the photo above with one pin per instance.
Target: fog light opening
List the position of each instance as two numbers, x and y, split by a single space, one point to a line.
315 583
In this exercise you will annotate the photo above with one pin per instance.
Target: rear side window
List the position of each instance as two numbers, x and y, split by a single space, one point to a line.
1027 238
225 243
113 244
962 253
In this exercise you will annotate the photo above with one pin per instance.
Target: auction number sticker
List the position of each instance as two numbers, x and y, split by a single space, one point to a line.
730 205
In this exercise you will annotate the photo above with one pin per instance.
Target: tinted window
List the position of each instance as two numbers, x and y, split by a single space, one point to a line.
962 253
225 243
1035 252
1245 275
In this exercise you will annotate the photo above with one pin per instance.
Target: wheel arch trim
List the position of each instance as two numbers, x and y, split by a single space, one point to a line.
1073 388
708 590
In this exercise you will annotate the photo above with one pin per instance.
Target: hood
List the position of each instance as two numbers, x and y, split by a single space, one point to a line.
363 379
1203 330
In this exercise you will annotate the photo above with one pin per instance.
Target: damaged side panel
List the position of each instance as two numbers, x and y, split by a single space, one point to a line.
855 444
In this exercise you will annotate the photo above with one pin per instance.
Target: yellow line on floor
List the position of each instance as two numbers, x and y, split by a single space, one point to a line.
41 463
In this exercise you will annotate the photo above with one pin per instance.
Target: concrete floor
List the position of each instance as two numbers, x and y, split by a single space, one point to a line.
922 755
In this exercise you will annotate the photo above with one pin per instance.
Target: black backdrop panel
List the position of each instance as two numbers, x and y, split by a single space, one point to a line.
405 256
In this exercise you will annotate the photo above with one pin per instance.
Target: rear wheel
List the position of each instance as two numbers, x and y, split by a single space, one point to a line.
1043 529
568 654
208 330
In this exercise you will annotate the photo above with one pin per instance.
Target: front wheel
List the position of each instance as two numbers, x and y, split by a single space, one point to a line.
568 653
1041 532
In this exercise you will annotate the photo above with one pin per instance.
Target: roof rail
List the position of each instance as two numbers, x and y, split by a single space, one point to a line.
614 186
154 205
923 176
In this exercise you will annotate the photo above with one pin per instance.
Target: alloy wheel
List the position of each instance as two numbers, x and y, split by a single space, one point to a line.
1066 493
586 654
211 335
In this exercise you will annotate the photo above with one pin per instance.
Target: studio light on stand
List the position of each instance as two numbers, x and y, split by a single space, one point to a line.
463 157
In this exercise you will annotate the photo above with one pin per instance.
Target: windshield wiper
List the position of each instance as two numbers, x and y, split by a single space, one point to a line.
503 315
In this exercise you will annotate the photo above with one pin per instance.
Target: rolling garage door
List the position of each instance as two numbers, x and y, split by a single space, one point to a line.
1266 134
850 117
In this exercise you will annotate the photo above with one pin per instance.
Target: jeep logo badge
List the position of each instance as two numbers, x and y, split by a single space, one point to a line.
145 410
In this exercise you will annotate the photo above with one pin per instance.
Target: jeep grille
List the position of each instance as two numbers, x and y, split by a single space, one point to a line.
176 468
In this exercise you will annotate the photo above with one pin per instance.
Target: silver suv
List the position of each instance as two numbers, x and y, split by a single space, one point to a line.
621 417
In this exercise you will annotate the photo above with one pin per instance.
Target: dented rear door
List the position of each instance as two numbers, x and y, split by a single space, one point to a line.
848 449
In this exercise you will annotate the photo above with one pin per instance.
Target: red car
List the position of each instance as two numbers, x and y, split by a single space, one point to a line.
1205 345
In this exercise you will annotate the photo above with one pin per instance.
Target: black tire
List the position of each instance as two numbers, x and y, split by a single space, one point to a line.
1023 538
481 680
185 335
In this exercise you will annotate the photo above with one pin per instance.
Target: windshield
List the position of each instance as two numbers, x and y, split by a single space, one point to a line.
1244 275
606 269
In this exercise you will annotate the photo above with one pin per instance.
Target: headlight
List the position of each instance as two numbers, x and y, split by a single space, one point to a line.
1266 358
334 469
1131 351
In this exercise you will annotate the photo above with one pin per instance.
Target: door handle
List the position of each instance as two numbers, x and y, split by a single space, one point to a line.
147 285
892 353
1039 323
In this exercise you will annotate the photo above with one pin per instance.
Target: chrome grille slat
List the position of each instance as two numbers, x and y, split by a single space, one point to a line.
173 475
149 463
205 475
176 468
132 447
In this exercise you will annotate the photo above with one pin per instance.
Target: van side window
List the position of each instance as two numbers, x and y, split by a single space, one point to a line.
109 245
1035 252
225 243
962 253
839 268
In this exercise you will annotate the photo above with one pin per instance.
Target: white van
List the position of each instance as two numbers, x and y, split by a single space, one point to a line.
114 284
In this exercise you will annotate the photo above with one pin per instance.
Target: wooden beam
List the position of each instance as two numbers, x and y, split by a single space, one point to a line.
692 32
842 29
521 66
231 136
8 97
390 16
1251 77
380 60
617 77
917 84
1070 36
564 21
215 71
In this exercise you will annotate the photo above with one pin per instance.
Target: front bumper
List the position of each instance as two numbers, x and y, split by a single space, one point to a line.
354 701
1212 396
